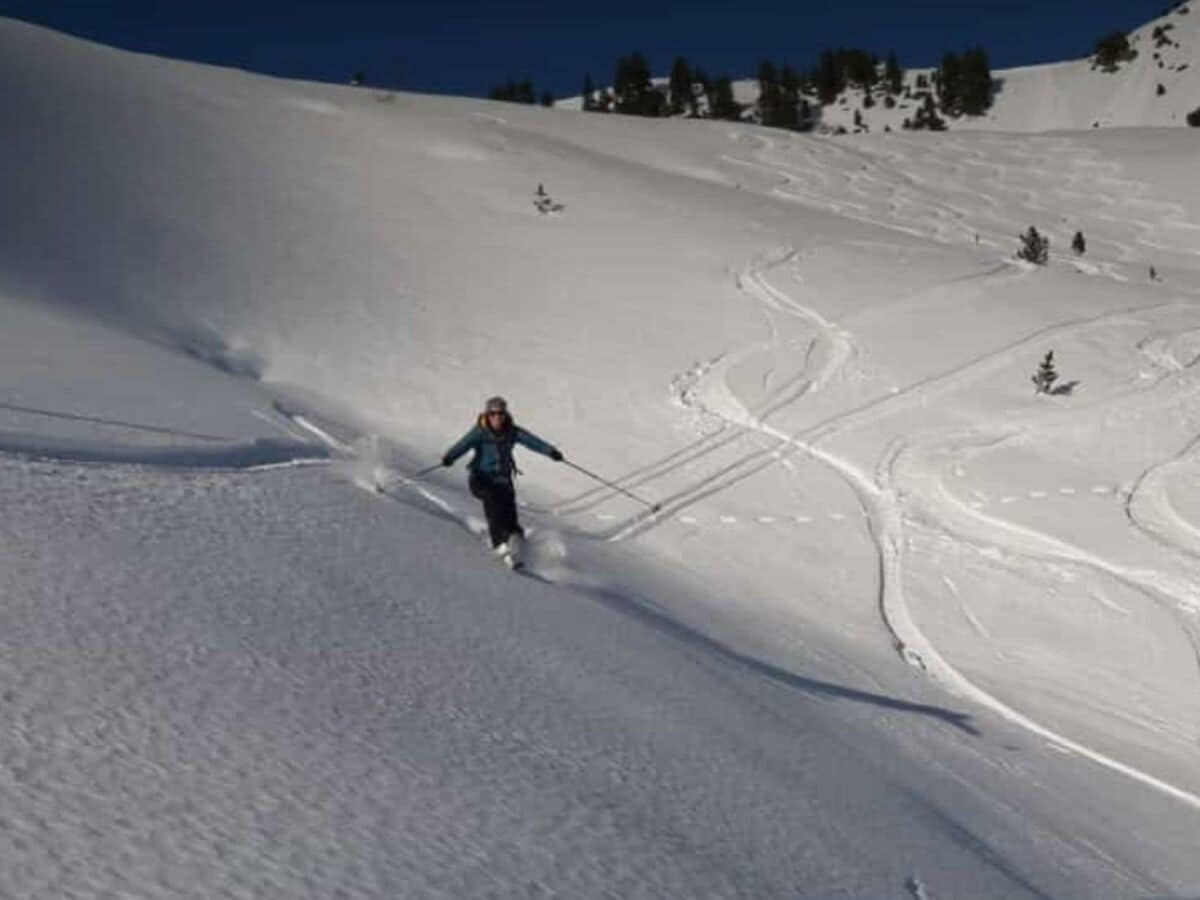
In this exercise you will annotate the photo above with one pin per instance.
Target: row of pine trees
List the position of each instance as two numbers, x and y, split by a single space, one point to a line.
960 86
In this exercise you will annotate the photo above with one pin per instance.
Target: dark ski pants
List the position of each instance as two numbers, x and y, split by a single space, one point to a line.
499 506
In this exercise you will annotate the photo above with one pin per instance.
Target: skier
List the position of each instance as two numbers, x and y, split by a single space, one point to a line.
492 468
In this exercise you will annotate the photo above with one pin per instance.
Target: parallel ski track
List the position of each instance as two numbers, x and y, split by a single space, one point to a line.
882 508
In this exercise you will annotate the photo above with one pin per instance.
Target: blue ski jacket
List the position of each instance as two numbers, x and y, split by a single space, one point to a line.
493 457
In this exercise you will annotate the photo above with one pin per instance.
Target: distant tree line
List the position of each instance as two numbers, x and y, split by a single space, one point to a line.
788 98
522 91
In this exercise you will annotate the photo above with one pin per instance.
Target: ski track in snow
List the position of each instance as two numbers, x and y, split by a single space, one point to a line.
882 507
912 198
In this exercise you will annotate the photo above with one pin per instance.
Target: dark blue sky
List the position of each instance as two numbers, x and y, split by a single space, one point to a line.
465 47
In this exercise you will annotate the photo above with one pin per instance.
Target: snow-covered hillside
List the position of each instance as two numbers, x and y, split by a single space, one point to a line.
1070 96
901 627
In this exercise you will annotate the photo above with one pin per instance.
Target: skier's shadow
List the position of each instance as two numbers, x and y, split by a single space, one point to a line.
666 625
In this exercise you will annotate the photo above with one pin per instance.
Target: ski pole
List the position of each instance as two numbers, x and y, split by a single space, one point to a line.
412 479
654 507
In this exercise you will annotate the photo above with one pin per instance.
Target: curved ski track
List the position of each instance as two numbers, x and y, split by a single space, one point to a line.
880 497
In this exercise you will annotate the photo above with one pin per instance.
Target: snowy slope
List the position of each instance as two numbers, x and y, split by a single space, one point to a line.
1077 94
902 628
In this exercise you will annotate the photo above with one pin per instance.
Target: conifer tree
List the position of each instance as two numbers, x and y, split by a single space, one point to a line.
926 118
1112 50
680 87
949 83
1078 244
789 98
1043 381
723 104
768 94
893 75
859 67
1035 248
635 93
621 83
828 78
975 87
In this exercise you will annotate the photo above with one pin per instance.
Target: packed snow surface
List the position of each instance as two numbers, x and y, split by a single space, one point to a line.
901 627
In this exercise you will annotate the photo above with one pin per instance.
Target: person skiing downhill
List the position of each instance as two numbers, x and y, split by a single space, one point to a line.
493 437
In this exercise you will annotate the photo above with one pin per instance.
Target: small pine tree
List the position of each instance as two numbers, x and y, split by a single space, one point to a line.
975 91
1035 248
769 99
723 104
789 98
635 93
1193 118
926 118
547 98
828 78
893 75
359 78
680 86
1160 90
1043 381
1078 244
949 84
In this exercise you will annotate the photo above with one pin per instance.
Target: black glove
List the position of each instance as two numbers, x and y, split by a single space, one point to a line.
447 461
556 455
